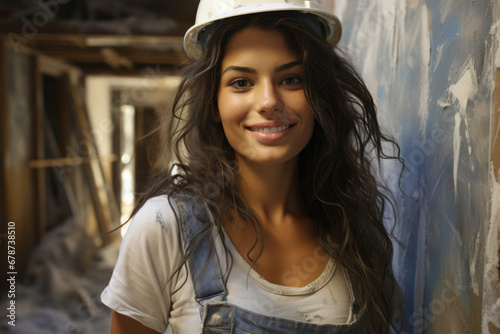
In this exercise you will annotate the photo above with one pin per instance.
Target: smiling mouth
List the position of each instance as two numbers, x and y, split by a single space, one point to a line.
271 130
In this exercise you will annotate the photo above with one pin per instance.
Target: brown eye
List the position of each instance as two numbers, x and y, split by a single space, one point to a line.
240 84
292 81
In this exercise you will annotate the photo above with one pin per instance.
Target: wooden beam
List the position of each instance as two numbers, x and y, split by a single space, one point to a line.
55 66
63 117
4 135
69 161
103 199
38 150
82 41
117 148
97 55
90 28
92 48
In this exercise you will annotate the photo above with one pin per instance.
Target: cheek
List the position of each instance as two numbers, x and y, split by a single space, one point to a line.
222 107
223 104
230 109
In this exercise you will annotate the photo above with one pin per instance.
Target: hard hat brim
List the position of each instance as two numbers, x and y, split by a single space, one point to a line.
193 48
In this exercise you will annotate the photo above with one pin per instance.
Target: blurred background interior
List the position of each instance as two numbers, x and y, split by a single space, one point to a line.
82 83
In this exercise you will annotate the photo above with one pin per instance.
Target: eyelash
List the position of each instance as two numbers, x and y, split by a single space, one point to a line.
236 81
297 81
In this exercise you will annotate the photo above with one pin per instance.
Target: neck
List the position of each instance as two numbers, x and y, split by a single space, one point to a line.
272 191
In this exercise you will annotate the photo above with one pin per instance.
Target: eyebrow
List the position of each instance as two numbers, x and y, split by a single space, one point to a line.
280 68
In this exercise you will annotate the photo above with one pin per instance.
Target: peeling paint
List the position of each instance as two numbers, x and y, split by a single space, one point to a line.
429 65
491 294
473 266
439 55
425 47
446 8
466 86
398 35
443 105
495 31
457 138
464 90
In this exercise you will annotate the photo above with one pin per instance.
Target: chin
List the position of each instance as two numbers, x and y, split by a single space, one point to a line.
272 160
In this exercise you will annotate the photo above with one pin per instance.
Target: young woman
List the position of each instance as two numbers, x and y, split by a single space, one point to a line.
270 220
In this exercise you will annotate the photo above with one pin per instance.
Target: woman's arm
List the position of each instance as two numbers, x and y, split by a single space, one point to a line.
121 324
140 283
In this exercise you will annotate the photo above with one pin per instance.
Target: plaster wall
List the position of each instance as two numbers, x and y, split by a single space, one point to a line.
432 66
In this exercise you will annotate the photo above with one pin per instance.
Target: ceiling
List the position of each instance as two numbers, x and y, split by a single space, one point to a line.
112 36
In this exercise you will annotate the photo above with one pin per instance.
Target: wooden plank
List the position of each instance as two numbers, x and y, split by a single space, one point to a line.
56 67
63 182
97 56
38 151
87 28
20 187
117 148
103 199
17 47
63 121
109 40
69 161
4 131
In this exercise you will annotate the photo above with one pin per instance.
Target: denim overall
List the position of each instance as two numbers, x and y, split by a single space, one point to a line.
219 316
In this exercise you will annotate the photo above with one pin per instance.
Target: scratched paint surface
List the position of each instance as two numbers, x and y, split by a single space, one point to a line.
429 65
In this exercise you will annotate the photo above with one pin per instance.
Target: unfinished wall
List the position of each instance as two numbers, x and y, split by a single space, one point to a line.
430 65
18 152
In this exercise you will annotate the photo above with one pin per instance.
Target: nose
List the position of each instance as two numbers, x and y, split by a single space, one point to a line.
268 98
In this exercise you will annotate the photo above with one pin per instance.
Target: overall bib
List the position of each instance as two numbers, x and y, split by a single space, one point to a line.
219 316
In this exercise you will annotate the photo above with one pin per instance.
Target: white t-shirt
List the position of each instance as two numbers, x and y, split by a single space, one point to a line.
150 253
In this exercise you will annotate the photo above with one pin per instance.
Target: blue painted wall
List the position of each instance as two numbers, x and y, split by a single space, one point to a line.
430 66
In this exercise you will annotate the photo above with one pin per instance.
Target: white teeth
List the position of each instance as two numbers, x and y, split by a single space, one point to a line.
271 130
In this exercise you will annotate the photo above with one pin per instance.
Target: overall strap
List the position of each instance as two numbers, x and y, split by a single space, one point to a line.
203 264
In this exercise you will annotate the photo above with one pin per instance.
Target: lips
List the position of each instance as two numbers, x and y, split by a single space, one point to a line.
271 130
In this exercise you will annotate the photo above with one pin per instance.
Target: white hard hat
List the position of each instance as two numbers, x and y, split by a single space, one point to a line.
210 11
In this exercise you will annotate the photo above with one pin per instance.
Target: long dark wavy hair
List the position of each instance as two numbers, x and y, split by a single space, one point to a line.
337 168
